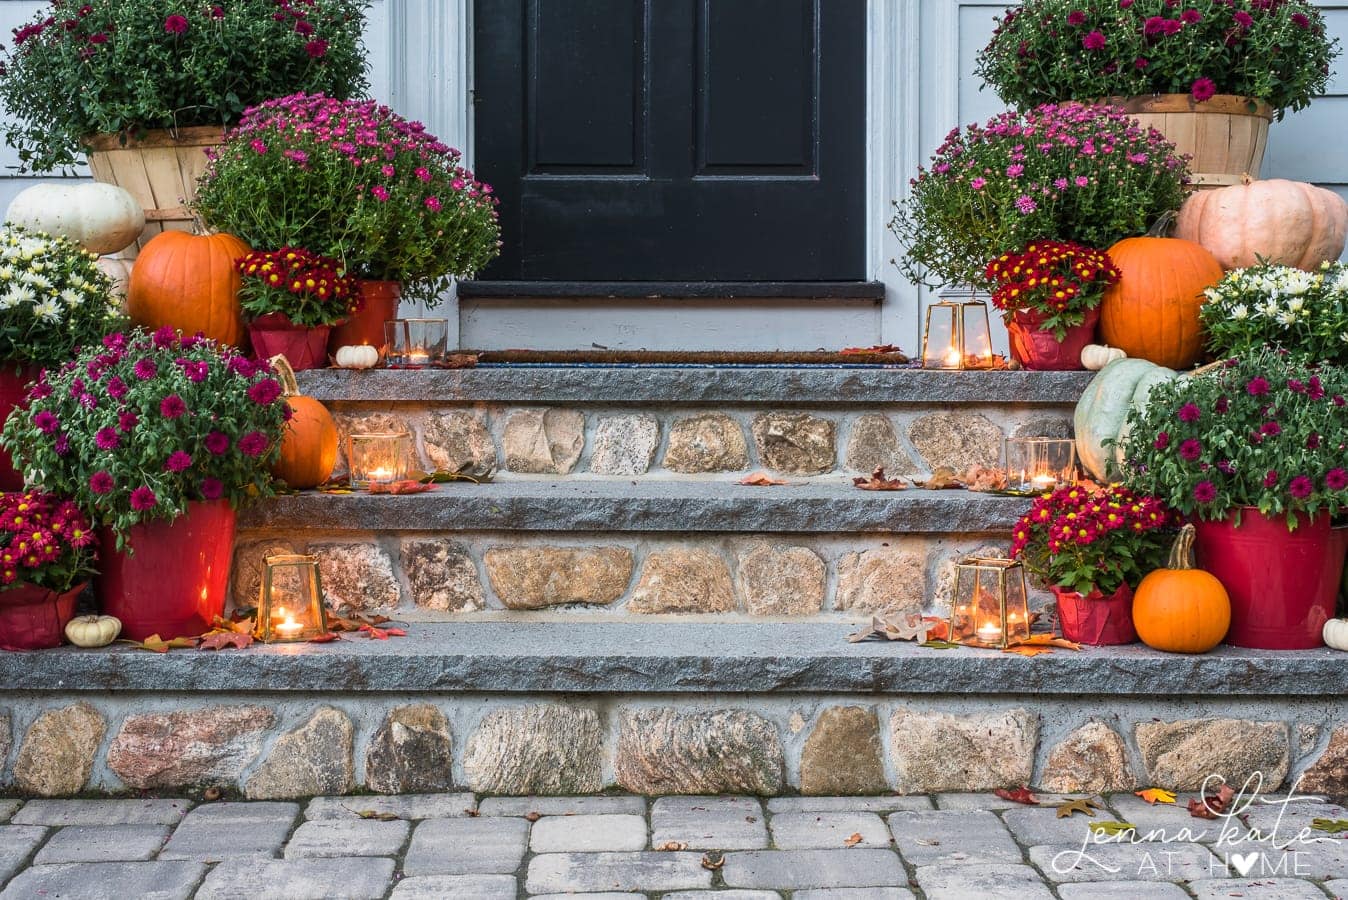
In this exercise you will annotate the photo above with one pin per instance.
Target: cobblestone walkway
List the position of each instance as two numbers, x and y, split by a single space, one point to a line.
678 848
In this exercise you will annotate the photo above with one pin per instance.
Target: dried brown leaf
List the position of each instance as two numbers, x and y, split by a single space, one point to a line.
942 479
672 847
853 840
1018 795
1072 807
879 482
713 860
761 479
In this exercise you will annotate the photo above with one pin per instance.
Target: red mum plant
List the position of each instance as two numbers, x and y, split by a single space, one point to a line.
1081 537
306 288
44 540
137 427
1060 280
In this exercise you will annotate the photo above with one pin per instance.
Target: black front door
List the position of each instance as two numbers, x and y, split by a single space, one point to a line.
674 140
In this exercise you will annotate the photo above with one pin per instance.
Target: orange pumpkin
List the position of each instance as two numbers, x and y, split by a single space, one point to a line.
188 282
1181 609
1151 312
309 446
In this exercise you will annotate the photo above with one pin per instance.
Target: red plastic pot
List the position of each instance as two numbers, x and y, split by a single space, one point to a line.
1282 584
303 347
379 305
35 618
172 577
1095 618
1035 347
13 392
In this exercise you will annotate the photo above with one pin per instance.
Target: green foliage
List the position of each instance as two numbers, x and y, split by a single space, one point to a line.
112 66
1086 174
140 425
1304 313
1264 430
53 298
307 289
1047 51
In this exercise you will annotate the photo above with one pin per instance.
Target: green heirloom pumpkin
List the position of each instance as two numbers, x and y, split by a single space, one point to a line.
1102 412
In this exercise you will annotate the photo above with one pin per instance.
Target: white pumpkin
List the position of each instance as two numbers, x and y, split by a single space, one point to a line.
93 631
1096 356
119 270
357 356
102 217
1336 633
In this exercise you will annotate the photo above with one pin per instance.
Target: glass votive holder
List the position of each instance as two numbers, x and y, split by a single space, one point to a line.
377 458
414 343
1040 464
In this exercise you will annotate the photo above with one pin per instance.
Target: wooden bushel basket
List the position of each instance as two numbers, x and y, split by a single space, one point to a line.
1225 136
160 170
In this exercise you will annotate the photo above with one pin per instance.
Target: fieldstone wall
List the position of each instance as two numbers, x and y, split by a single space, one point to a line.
628 575
274 746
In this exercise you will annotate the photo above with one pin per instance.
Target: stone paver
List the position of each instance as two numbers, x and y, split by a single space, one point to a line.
1164 821
954 836
226 830
847 804
588 834
456 887
158 880
102 812
986 882
340 837
467 847
583 873
1122 890
361 878
796 869
16 843
404 806
615 895
723 895
709 823
563 806
1257 889
873 893
102 843
1032 827
8 808
828 831
1126 862
993 802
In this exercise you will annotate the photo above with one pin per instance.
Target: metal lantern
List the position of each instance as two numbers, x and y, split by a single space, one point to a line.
990 607
378 458
290 602
957 335
1040 464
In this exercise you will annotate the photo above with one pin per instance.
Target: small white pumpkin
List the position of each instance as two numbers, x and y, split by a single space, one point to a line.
102 217
93 631
357 356
1336 633
1096 356
119 270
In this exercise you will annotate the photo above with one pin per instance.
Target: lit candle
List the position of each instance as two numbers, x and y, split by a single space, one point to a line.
288 628
1043 482
952 358
418 357
380 475
989 633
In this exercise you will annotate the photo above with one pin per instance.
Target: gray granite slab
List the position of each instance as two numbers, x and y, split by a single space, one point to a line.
404 806
102 812
362 878
157 879
102 843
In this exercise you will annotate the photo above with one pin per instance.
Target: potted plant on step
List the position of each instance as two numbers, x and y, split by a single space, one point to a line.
292 298
53 298
160 437
1210 74
1091 546
1305 313
1254 452
47 554
1050 294
356 182
142 87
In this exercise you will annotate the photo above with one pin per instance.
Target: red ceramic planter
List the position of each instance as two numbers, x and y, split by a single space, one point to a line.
380 305
13 391
1036 348
1095 618
1283 584
303 347
35 618
172 577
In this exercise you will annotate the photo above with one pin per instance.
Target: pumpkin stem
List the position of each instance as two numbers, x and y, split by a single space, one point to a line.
1163 225
1246 179
281 366
1182 551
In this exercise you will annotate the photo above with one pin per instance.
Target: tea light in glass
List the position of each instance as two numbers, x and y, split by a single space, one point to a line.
290 600
957 335
414 343
378 458
1040 464
990 606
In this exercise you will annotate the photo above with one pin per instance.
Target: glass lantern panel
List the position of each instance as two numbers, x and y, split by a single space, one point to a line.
990 608
290 607
413 343
378 458
940 342
977 345
1040 464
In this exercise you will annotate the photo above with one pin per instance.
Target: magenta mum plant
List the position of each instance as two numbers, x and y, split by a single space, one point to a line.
141 425
356 182
1048 51
1086 174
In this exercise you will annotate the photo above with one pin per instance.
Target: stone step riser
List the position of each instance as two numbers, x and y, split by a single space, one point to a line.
272 746
624 576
